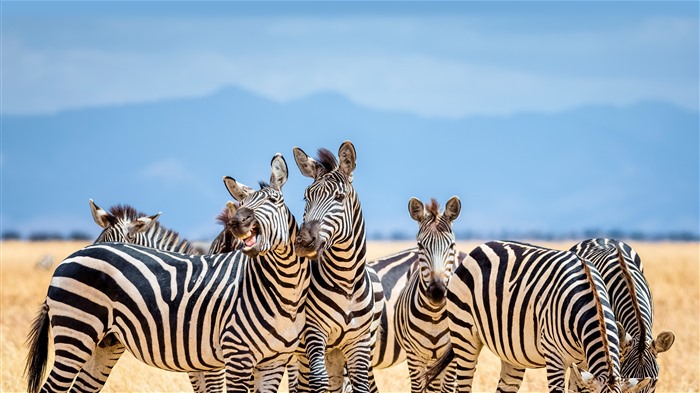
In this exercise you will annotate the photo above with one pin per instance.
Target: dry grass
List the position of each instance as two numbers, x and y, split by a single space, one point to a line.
672 270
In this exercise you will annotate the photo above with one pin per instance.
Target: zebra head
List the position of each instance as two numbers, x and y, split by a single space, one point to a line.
332 212
262 220
122 224
639 358
436 245
638 351
587 382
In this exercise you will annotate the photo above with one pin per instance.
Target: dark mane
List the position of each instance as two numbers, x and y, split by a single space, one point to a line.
433 207
327 160
125 211
223 218
263 184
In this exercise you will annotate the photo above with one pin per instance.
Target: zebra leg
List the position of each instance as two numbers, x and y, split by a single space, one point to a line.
415 370
466 348
449 382
93 376
358 362
268 378
555 374
293 375
316 354
208 381
72 350
239 372
511 378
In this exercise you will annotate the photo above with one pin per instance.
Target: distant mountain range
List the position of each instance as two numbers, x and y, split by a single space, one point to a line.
593 169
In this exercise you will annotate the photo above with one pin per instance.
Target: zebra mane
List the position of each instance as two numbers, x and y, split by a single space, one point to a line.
126 212
433 207
629 282
601 316
223 218
263 184
327 160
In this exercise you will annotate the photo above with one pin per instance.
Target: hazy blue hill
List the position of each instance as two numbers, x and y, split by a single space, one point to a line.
632 168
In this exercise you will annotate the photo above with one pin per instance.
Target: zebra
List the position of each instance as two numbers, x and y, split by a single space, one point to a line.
420 319
342 306
125 224
533 307
622 271
242 311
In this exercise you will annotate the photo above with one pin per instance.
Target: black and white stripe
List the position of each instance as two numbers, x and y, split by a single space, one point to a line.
533 307
420 317
341 307
240 311
621 269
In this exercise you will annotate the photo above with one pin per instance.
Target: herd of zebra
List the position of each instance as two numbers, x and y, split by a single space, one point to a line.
271 296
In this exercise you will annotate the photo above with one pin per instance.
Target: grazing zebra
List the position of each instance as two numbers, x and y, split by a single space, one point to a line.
420 319
241 310
533 307
621 269
342 308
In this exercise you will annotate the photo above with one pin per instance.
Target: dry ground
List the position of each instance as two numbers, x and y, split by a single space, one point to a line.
672 270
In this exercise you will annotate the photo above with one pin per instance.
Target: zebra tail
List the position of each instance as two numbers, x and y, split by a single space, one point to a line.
435 369
38 341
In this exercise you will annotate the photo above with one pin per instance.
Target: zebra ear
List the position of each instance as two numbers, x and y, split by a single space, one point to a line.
307 165
348 158
101 217
237 190
416 209
632 385
279 172
143 224
663 341
231 209
452 208
624 337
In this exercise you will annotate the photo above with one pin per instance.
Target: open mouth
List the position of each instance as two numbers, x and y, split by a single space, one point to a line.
250 239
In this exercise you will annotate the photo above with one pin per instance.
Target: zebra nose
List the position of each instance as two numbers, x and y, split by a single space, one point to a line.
437 290
305 238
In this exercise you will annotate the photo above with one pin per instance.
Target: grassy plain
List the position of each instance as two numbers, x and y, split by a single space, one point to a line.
671 268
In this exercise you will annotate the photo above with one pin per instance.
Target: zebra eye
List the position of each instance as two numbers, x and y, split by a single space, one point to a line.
339 196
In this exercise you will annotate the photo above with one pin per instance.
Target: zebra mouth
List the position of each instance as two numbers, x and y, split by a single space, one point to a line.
250 239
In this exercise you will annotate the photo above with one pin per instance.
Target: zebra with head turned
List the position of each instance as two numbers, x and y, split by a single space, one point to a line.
341 308
241 311
630 297
533 307
420 319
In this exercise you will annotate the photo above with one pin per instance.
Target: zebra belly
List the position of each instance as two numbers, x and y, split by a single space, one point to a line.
173 358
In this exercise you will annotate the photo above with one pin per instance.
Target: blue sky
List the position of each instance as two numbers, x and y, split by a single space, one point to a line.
451 59
476 73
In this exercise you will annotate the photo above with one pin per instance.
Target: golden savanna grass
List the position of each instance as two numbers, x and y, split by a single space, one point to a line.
671 268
